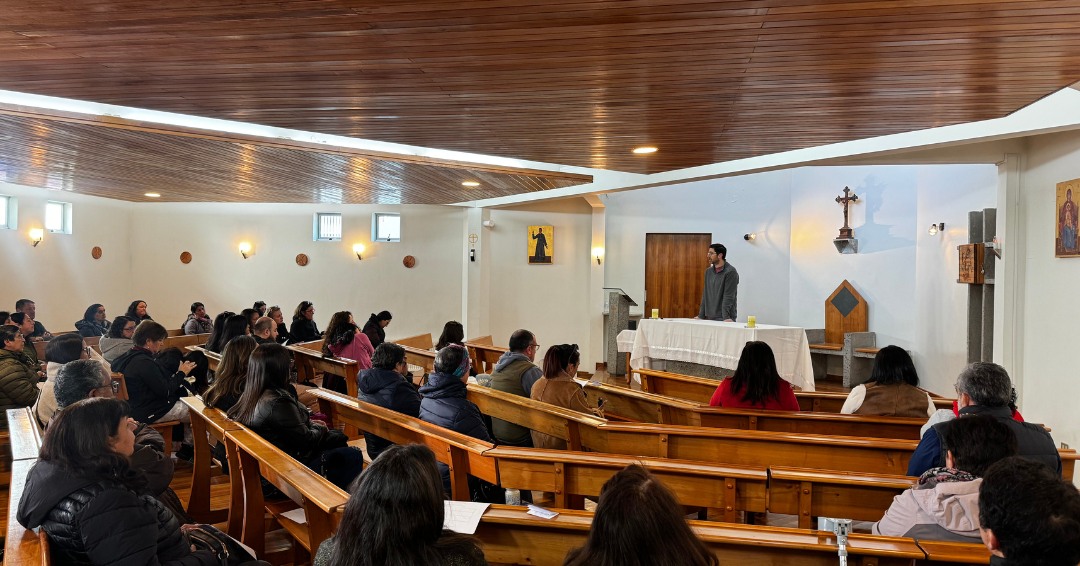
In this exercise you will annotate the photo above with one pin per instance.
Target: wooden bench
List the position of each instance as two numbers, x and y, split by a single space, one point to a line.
700 390
940 552
183 341
418 358
484 356
536 415
511 536
309 361
305 489
420 341
818 493
23 547
463 454
642 406
24 434
208 422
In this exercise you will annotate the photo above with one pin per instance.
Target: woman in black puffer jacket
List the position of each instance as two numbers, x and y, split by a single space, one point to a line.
96 509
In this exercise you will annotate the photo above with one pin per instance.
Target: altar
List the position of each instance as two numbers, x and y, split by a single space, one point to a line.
719 344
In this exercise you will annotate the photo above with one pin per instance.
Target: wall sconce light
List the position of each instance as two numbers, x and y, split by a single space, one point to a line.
358 249
749 237
36 234
245 249
935 228
598 253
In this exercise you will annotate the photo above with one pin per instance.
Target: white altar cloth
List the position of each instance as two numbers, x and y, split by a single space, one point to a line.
624 342
719 344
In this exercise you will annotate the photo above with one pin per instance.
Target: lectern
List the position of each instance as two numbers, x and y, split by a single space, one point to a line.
617 305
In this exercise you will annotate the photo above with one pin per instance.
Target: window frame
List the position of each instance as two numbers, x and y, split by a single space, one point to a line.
65 217
316 232
375 227
9 220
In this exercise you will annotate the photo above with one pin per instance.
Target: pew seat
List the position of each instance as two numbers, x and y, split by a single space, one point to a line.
820 493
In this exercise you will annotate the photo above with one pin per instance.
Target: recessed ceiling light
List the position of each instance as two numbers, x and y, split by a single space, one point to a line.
152 195
644 150
471 184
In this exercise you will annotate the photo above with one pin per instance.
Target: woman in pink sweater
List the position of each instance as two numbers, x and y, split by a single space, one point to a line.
345 340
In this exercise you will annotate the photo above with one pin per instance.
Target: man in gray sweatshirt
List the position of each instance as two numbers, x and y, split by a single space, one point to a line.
515 373
719 299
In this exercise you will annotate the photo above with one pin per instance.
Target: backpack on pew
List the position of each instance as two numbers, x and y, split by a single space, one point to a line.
228 551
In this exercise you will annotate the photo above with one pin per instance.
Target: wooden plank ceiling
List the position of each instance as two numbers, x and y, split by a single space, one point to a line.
574 82
125 163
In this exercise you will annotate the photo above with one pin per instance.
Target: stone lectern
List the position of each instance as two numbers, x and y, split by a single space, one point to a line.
617 305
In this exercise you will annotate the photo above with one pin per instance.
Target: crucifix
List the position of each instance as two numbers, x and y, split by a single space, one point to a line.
848 198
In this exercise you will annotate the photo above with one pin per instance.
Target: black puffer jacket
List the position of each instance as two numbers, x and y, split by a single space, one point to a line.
375 331
151 390
303 330
282 421
390 390
444 404
103 523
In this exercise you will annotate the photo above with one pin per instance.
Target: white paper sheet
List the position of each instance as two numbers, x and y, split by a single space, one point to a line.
296 515
541 512
463 516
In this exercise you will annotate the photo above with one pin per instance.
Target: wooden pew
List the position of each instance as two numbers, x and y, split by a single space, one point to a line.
23 547
210 421
643 406
700 390
940 552
305 489
728 488
511 536
420 341
309 361
24 434
536 415
182 341
463 454
176 331
424 359
485 357
819 493
481 340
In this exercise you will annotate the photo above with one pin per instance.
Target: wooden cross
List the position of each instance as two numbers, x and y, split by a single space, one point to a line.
846 233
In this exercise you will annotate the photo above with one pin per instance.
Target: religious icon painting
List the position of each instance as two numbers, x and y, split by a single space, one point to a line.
541 244
1065 219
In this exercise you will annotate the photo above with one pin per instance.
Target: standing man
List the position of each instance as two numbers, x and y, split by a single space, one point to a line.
27 306
720 297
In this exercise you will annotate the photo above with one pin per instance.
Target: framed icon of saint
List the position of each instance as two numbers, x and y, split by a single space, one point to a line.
541 245
1065 219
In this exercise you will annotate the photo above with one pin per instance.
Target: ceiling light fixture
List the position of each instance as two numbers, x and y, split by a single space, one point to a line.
644 150
152 195
470 184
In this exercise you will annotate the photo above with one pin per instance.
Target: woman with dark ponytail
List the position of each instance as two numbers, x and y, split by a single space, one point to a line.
558 387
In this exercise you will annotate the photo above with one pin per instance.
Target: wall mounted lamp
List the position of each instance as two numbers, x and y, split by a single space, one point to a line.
749 237
935 228
245 249
358 249
36 234
598 253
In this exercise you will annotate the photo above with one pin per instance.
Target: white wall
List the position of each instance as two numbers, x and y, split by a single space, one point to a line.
59 274
1051 376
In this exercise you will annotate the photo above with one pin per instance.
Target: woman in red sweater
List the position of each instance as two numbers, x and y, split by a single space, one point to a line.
756 383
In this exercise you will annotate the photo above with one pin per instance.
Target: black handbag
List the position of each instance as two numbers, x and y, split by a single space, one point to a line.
228 551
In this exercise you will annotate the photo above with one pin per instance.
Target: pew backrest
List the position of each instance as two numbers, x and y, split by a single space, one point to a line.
481 340
810 493
420 341
182 340
422 358
309 361
542 417
485 356
24 434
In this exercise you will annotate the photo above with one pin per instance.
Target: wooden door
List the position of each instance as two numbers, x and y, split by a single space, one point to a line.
674 273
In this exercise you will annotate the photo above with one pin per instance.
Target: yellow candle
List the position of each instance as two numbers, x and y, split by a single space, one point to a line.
751 321
656 313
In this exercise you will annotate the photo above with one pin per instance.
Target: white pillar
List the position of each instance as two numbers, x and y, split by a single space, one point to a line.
1009 273
596 350
475 273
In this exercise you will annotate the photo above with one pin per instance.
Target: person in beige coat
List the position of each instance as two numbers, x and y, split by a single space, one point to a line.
558 387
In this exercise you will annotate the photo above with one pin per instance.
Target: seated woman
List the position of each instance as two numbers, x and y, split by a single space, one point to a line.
251 315
303 327
18 373
153 392
5 318
638 521
235 325
344 340
944 504
395 517
385 385
137 312
375 327
283 336
558 387
216 333
756 383
200 376
25 324
96 509
198 322
269 407
231 374
59 351
453 333
118 341
893 390
94 322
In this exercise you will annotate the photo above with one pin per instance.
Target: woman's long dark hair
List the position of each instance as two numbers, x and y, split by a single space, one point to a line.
638 522
91 311
79 437
268 368
394 516
213 343
118 324
131 311
559 357
235 325
232 371
340 332
756 373
201 372
298 314
892 365
452 333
